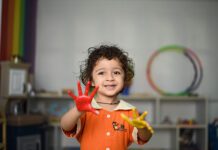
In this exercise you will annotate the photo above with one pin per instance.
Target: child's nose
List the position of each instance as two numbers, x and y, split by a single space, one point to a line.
110 76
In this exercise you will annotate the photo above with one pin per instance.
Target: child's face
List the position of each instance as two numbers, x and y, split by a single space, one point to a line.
109 76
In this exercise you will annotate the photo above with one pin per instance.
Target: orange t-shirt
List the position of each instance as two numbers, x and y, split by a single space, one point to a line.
107 130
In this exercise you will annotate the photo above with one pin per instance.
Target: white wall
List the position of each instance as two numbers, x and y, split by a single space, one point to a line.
67 28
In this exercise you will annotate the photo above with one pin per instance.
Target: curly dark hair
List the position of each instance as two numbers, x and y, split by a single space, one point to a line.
108 52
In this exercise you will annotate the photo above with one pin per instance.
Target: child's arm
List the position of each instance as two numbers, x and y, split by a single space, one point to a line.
70 118
145 131
83 104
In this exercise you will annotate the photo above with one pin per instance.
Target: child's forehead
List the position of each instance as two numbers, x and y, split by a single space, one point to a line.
105 61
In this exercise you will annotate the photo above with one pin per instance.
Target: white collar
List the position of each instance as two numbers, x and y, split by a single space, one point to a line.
121 106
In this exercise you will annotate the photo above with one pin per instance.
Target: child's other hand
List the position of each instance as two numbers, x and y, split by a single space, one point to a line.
138 121
83 101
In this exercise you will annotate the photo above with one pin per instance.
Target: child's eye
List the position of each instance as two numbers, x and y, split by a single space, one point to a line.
100 73
117 72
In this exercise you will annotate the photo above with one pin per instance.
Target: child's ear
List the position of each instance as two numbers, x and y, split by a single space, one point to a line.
93 84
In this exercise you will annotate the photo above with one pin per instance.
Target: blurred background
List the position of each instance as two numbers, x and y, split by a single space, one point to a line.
43 43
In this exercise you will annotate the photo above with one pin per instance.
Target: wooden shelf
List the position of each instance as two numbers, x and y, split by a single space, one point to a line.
182 98
200 126
58 96
128 97
1 146
46 96
175 126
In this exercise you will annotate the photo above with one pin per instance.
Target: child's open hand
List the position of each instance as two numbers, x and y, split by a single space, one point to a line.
83 101
138 121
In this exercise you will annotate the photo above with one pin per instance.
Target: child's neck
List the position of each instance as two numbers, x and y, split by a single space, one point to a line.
107 103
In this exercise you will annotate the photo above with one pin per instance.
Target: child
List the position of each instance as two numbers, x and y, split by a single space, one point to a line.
105 122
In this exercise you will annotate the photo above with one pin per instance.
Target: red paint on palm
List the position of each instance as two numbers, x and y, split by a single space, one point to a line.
83 101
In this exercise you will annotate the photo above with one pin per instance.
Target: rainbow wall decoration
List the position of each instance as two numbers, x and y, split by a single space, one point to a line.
18 30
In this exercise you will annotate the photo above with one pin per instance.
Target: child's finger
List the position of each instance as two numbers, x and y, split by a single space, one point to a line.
146 124
138 124
94 92
125 118
150 128
79 88
142 117
70 93
94 111
135 115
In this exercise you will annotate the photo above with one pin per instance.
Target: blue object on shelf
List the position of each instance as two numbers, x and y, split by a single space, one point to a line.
125 91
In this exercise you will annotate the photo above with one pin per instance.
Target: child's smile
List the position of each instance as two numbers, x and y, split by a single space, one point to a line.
110 87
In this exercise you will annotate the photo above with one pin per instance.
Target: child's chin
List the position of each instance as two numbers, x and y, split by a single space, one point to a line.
109 94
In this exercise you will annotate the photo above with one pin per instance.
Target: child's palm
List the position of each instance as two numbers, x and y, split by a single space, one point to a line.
83 101
138 121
